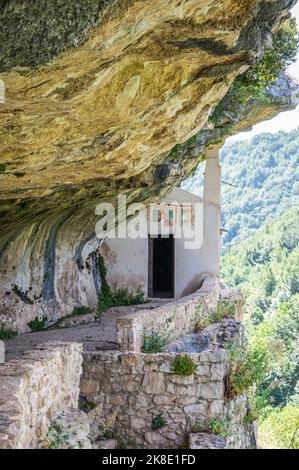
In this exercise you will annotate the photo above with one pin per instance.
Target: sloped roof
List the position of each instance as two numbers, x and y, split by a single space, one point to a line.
180 195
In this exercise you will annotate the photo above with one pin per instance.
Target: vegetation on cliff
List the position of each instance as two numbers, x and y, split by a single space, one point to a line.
254 83
265 268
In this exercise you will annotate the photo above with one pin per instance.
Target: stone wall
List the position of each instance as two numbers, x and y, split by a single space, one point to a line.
34 389
132 389
174 318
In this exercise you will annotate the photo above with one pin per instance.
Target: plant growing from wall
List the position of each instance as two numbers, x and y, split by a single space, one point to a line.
78 311
117 298
22 295
183 365
38 324
158 422
219 426
245 367
254 83
224 310
56 437
86 405
154 341
7 334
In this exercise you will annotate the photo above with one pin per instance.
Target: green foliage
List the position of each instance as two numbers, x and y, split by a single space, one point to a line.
56 437
22 295
253 84
154 341
276 59
78 311
37 324
158 422
245 368
219 426
117 298
183 365
280 430
7 334
265 173
86 405
224 310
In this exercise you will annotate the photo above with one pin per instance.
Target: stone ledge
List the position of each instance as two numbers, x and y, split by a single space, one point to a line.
175 318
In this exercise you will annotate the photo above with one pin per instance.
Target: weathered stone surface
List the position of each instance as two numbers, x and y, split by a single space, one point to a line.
74 424
35 389
206 441
106 444
96 101
151 391
174 318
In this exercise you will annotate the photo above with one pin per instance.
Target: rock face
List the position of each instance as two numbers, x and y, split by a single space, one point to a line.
97 97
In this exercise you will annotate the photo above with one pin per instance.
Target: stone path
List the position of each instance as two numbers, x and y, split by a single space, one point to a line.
95 336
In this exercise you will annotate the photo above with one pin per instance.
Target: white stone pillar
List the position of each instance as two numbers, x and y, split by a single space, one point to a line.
212 215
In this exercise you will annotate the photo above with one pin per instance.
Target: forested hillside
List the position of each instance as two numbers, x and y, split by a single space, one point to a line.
265 268
264 173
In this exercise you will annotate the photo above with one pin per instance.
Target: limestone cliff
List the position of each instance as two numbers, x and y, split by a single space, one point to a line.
98 96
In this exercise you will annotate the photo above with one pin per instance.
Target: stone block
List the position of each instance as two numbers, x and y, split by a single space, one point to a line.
138 424
212 390
106 444
164 400
217 408
153 382
217 371
206 441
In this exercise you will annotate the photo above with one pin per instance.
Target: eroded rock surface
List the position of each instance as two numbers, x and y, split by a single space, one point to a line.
96 100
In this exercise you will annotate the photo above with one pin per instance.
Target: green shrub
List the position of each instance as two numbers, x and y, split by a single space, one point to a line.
281 429
37 324
56 437
245 368
219 426
78 311
154 341
183 365
7 334
254 82
158 422
86 405
22 295
224 310
117 298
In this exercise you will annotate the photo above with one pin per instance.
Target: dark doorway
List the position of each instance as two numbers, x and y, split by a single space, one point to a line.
161 267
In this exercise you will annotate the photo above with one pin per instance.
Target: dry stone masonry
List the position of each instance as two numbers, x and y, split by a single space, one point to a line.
34 389
174 318
133 389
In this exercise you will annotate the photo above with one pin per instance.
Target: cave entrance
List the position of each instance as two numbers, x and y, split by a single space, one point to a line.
161 267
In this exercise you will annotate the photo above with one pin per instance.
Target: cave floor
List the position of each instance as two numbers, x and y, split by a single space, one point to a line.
97 335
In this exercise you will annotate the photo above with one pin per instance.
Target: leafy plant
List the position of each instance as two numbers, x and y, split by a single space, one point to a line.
224 310
117 298
154 341
78 311
37 324
219 426
7 334
183 365
158 422
245 368
281 429
86 405
56 437
253 84
22 295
